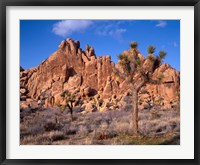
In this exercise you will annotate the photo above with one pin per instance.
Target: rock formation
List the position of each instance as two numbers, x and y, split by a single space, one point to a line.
91 78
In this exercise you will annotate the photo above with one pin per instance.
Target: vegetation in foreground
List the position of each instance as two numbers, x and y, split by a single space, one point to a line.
54 127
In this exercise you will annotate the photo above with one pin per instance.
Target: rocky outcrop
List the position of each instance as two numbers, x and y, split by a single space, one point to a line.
70 67
88 76
165 94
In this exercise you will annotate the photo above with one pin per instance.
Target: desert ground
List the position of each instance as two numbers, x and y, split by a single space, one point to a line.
51 126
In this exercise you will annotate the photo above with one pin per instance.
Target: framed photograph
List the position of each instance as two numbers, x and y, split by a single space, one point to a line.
99 82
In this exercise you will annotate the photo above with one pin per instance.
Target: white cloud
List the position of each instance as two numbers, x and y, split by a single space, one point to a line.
104 30
117 33
161 24
112 30
67 27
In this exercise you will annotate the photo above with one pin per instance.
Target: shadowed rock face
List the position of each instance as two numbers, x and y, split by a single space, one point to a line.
71 68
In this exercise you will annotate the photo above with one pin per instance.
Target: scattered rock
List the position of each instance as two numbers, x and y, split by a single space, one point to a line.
90 107
23 90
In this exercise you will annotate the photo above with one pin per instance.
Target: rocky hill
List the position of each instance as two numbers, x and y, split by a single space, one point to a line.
92 80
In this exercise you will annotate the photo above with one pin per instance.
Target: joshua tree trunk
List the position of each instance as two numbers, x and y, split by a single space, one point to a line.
135 107
71 110
135 112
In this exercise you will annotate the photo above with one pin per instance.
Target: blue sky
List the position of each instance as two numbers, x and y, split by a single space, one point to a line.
40 38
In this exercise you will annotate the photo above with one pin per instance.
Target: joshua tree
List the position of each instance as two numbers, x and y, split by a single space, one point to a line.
41 103
162 54
69 100
151 49
133 44
43 97
137 73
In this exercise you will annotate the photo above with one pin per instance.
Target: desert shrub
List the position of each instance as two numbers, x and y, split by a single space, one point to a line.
35 129
97 120
83 130
144 116
162 123
49 126
124 128
70 129
56 135
30 139
103 134
155 115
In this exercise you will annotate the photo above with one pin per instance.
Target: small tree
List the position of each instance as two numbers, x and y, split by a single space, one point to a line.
41 103
134 44
162 54
137 75
43 97
69 100
151 49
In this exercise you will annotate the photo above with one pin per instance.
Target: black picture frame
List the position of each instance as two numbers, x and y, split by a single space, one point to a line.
5 3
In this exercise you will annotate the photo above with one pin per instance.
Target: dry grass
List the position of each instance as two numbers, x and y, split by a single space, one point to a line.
51 126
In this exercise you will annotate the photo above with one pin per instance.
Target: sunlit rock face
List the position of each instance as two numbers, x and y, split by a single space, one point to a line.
91 77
